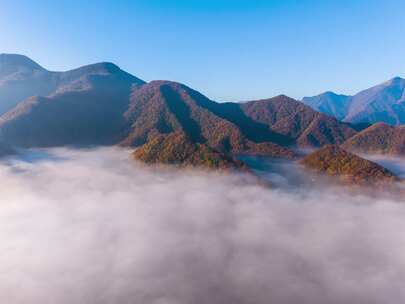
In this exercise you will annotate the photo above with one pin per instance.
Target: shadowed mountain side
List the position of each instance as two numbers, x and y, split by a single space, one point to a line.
360 126
324 130
162 107
89 111
253 130
178 150
378 139
182 112
293 119
350 168
6 150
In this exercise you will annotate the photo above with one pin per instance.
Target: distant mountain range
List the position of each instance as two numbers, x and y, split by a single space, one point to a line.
170 123
382 103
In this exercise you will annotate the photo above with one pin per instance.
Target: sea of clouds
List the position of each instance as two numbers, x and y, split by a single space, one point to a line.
92 226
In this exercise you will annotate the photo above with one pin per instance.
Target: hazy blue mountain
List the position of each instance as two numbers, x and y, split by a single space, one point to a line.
329 103
21 78
382 103
12 65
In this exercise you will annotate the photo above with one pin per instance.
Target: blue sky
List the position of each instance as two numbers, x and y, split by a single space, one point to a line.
228 50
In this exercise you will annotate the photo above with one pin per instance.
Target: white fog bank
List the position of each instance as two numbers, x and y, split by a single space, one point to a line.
91 226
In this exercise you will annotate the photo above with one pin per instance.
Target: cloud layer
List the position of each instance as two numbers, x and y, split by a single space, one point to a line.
92 227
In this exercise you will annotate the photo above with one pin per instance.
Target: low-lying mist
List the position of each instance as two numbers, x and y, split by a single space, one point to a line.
92 226
395 164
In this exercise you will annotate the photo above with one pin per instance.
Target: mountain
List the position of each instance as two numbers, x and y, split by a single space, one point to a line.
85 106
378 139
178 149
329 103
20 78
297 122
164 107
382 103
257 127
12 65
350 168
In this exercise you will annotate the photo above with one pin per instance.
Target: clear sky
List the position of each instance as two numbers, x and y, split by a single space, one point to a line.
228 50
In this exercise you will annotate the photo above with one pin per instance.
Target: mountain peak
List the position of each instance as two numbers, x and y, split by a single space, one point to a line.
329 103
331 93
283 97
395 81
397 78
13 62
97 68
167 82
18 60
100 68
